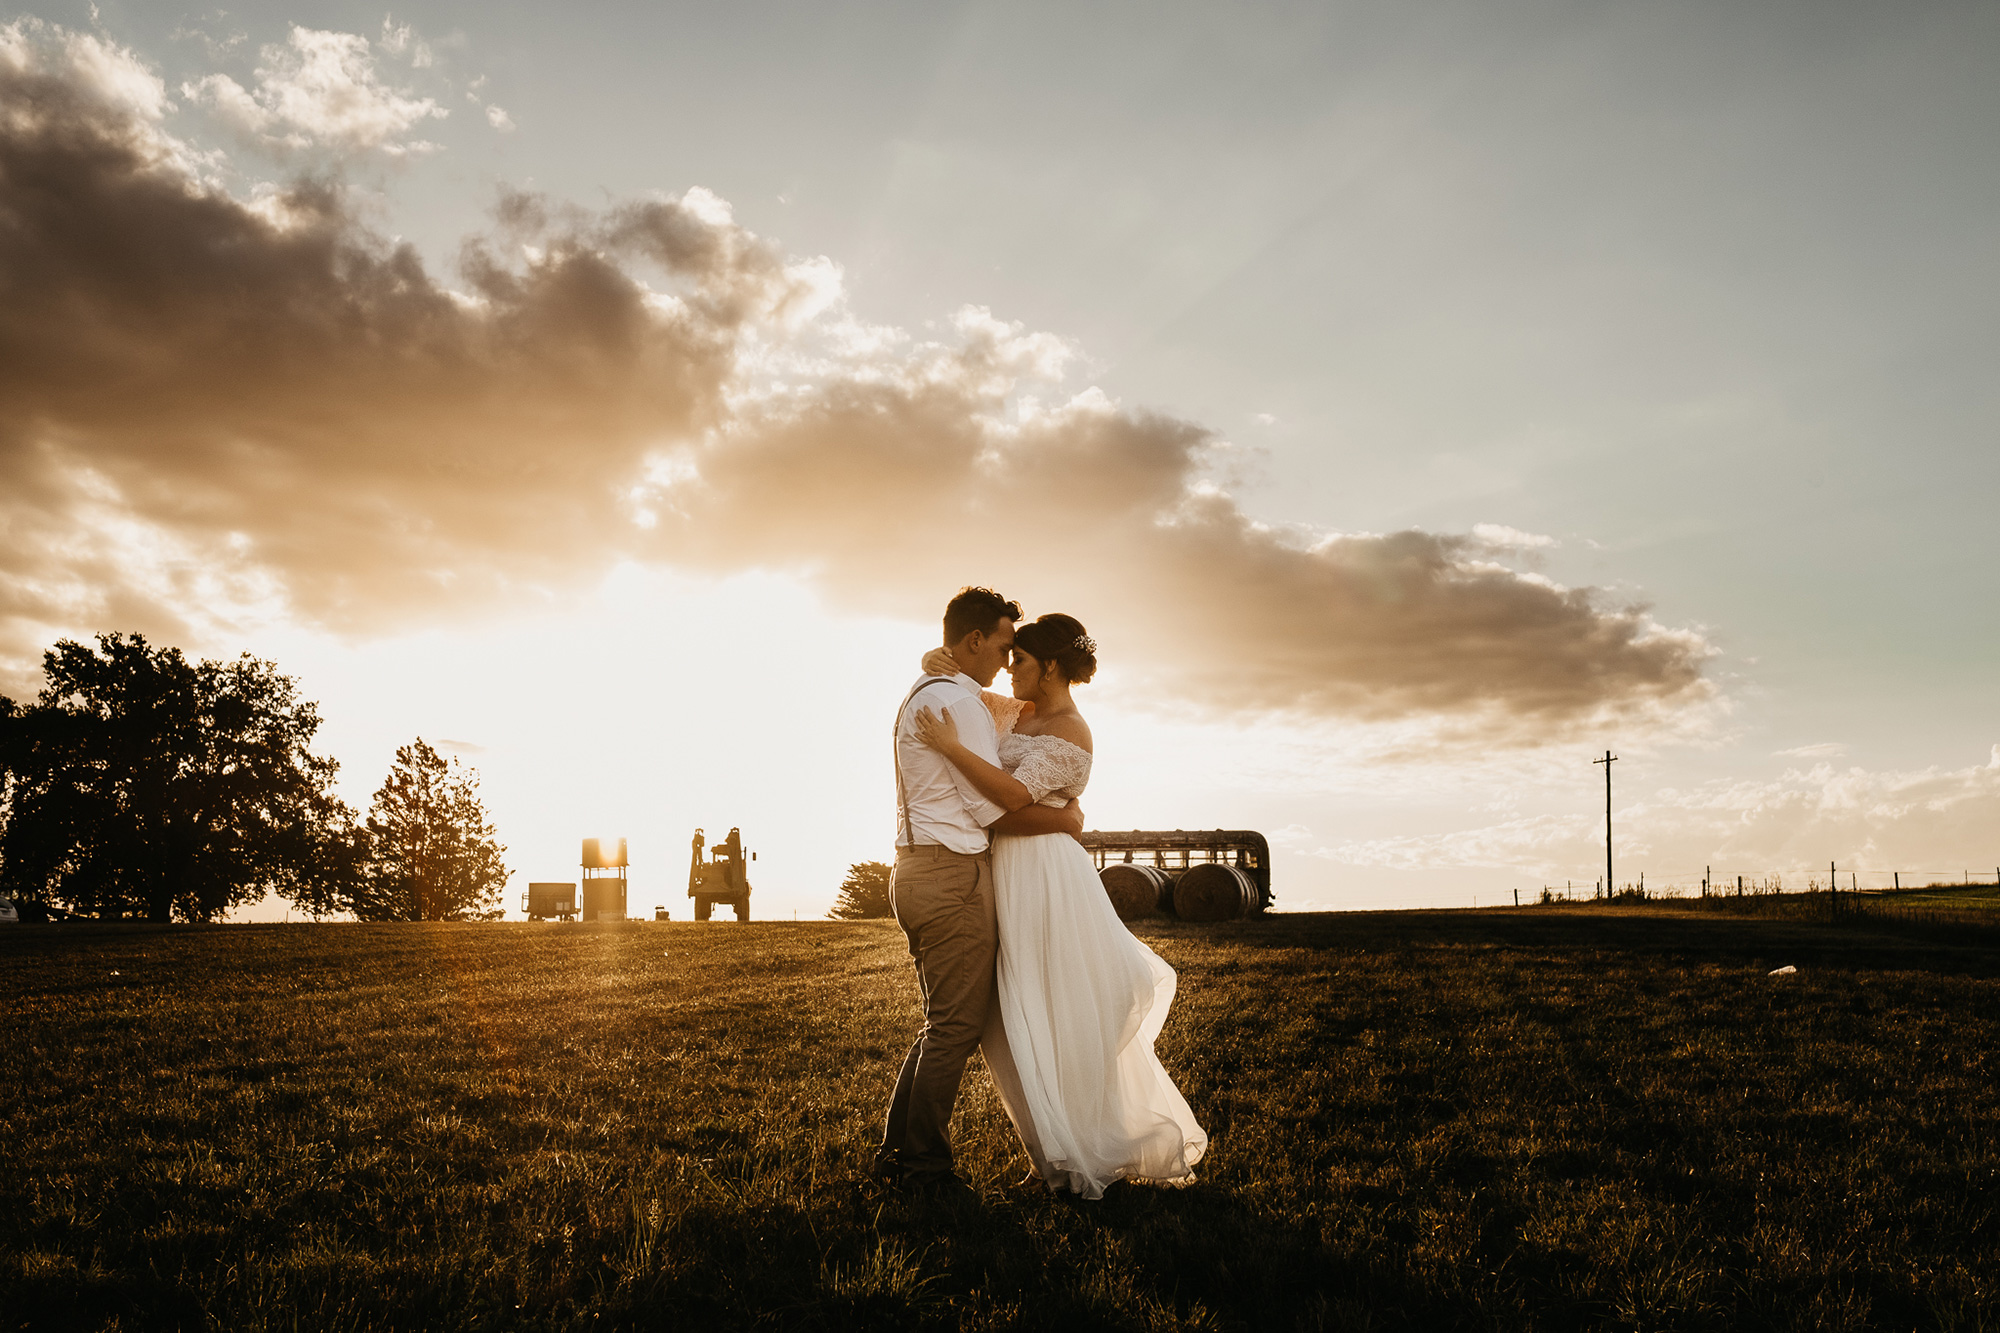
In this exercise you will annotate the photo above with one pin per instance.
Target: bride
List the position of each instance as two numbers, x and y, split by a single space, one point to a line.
1081 1000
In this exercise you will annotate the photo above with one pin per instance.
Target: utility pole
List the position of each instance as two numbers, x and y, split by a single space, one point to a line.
1608 760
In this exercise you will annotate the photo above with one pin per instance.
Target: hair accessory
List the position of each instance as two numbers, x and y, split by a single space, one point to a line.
1085 642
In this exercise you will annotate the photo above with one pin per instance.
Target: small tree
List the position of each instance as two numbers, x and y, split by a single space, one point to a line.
430 854
864 893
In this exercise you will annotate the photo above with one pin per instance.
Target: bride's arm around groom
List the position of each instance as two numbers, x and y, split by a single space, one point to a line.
942 887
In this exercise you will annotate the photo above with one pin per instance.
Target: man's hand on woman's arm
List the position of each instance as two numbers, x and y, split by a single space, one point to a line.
1032 819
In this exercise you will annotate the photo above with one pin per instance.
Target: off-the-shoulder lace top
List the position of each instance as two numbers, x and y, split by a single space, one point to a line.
1054 771
1006 710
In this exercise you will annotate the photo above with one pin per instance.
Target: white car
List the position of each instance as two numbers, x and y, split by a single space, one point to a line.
8 913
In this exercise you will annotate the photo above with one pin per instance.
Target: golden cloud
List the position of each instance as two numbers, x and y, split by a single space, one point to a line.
280 399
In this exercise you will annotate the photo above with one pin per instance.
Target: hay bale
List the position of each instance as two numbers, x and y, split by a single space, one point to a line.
1214 892
1134 890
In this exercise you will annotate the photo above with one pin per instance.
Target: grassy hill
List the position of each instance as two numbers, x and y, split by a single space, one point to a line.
1548 1118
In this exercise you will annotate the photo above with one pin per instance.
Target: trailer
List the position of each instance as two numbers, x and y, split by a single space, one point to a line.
1198 874
546 901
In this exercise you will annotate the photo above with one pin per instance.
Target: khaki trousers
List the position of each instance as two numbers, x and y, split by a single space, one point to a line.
943 900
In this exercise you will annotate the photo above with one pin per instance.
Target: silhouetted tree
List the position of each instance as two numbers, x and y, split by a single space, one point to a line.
864 893
430 853
141 784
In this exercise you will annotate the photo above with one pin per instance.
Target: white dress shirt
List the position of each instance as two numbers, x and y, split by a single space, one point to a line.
945 808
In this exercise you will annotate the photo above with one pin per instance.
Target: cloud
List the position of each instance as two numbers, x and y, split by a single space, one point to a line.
1501 537
270 387
320 90
498 118
401 39
113 82
1923 822
286 407
218 48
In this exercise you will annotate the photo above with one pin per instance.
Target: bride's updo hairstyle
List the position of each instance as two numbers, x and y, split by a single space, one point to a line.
1060 639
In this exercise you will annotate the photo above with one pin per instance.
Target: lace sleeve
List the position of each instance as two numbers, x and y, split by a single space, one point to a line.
1006 710
1054 765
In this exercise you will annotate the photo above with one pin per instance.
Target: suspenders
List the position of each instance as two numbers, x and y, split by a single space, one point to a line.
896 750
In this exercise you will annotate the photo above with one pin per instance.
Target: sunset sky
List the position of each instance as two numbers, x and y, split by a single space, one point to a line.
1414 400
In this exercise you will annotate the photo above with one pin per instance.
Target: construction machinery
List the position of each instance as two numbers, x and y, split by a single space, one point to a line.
1198 875
724 878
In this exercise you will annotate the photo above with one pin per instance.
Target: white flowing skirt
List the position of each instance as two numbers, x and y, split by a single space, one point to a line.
1082 1001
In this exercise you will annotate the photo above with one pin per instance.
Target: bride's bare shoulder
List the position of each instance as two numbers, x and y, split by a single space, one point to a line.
1070 727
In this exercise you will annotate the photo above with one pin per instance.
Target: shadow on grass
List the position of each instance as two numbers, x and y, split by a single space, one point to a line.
1654 932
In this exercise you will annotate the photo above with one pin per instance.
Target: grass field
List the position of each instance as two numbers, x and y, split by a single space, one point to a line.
1969 896
1551 1118
1948 914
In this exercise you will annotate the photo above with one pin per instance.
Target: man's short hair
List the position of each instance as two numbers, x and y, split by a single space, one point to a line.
976 610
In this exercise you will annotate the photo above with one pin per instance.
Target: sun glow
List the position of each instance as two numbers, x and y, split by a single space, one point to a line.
703 713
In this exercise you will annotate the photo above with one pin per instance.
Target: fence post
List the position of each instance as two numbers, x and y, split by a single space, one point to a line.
1899 881
1832 889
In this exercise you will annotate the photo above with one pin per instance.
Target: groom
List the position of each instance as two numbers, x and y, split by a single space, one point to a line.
942 889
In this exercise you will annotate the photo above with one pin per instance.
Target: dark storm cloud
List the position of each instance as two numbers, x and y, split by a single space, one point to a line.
269 396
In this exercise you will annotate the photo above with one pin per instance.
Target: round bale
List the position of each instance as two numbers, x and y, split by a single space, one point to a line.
1133 889
1214 892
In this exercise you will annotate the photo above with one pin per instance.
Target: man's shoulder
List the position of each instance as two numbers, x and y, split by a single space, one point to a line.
956 685
940 694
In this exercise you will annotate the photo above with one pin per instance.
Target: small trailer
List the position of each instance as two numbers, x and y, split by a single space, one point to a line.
546 901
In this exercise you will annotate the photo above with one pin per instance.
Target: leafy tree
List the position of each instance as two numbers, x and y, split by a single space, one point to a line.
430 854
141 784
864 893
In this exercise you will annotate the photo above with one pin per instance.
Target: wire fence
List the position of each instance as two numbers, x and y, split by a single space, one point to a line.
1833 878
1961 908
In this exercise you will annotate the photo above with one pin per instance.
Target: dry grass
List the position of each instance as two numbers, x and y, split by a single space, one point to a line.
1549 1118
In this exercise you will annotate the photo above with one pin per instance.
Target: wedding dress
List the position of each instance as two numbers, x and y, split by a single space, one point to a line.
1082 1001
